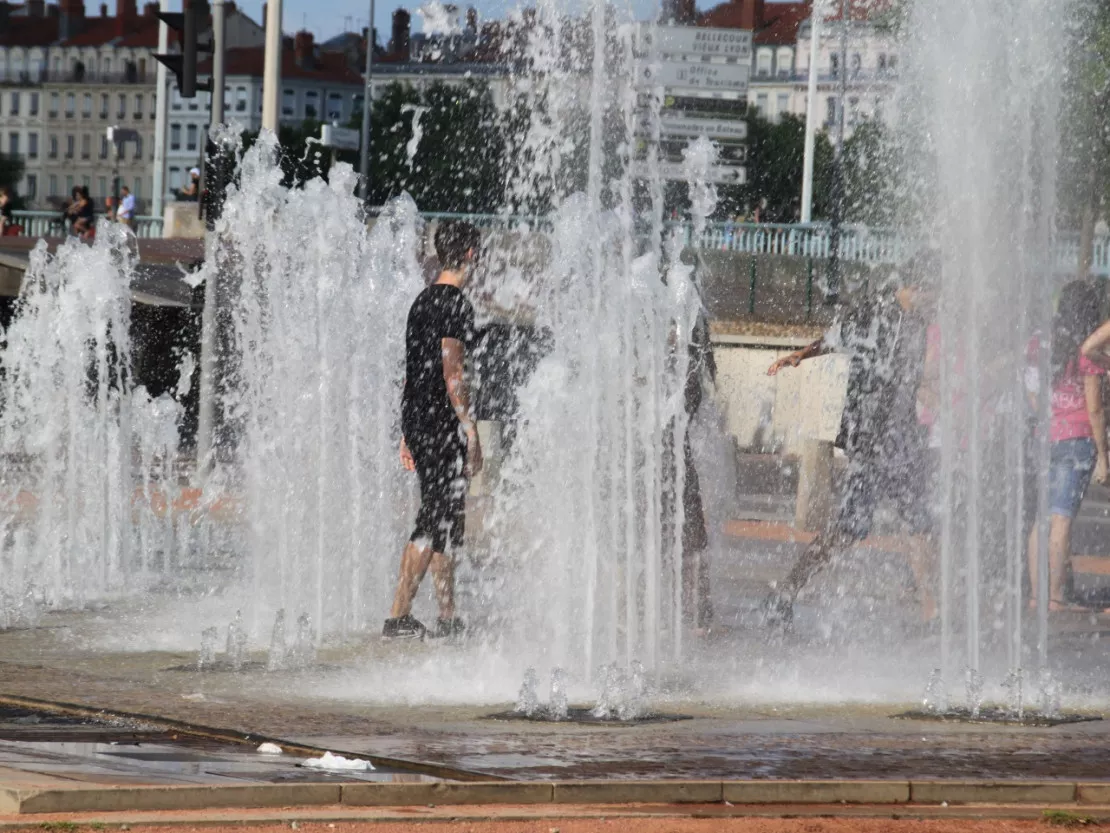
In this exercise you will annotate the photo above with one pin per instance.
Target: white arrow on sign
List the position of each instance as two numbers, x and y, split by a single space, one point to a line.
341 138
687 127
718 175
694 40
696 78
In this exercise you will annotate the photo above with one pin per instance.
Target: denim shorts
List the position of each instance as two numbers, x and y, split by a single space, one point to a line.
1069 474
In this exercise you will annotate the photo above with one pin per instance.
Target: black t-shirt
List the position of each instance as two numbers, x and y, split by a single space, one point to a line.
886 349
440 311
6 212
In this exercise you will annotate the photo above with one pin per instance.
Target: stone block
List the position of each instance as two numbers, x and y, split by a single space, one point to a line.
1093 793
992 792
817 792
116 799
638 792
393 794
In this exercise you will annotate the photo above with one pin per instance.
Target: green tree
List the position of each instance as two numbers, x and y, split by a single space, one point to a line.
11 173
1085 125
871 176
776 161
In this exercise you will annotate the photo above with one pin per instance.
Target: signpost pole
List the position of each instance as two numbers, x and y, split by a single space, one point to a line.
811 115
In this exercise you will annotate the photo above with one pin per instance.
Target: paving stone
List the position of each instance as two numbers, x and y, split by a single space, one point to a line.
628 792
114 799
993 792
817 792
481 792
1093 793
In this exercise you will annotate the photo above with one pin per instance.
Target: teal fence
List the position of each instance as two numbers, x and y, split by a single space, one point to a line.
858 244
49 224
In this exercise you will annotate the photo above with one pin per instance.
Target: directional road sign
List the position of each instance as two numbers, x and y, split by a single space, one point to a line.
696 79
341 138
687 127
677 171
694 40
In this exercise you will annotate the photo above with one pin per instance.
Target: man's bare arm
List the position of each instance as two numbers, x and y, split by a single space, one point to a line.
816 348
454 359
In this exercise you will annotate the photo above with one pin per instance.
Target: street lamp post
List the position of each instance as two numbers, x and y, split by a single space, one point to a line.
836 220
367 101
811 114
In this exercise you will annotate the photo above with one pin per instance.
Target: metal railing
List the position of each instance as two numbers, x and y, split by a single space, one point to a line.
49 224
858 244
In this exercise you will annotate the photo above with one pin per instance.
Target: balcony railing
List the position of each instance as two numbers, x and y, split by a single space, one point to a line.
49 224
69 76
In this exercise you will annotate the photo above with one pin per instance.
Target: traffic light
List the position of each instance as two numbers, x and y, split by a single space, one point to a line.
184 65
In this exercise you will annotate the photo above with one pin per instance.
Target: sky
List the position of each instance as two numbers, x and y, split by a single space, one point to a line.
327 18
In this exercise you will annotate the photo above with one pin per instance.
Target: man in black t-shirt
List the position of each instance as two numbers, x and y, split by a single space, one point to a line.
439 439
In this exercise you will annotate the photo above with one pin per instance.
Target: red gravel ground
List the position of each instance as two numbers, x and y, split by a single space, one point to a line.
639 825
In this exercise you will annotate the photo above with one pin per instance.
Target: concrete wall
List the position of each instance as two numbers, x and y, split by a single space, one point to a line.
777 414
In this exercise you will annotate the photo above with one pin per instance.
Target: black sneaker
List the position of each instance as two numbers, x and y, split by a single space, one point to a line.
447 627
403 627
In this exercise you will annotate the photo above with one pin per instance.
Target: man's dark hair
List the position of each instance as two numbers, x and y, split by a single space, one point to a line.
453 240
1077 316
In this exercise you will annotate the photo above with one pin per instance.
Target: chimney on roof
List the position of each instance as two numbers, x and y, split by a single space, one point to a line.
751 15
400 43
150 9
472 20
36 8
71 18
302 49
103 9
230 8
126 14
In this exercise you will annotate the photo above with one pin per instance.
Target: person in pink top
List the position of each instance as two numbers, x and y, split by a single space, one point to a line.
1077 432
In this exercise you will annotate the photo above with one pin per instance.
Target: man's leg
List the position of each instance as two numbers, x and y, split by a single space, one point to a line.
414 564
443 577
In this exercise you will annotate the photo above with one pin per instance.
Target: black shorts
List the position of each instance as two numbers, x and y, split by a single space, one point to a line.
905 479
440 457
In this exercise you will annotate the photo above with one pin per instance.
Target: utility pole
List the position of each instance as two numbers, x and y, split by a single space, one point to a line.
160 124
367 101
837 218
271 77
217 175
811 114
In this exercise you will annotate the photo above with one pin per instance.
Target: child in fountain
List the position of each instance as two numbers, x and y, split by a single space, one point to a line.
1078 428
880 432
439 438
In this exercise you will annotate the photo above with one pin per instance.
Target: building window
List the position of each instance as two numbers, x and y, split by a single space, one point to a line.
853 111
107 67
153 106
335 106
53 185
892 62
104 105
191 137
32 186
761 103
103 147
834 64
175 98
240 99
69 184
71 143
15 103
288 103
54 105
102 186
86 105
882 62
857 64
193 103
13 144
138 148
175 178
785 62
175 137
830 118
878 112
53 153
32 145
763 63
356 101
311 104
86 146
783 104
57 66
86 181
121 111
138 106
71 104
138 189
33 105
